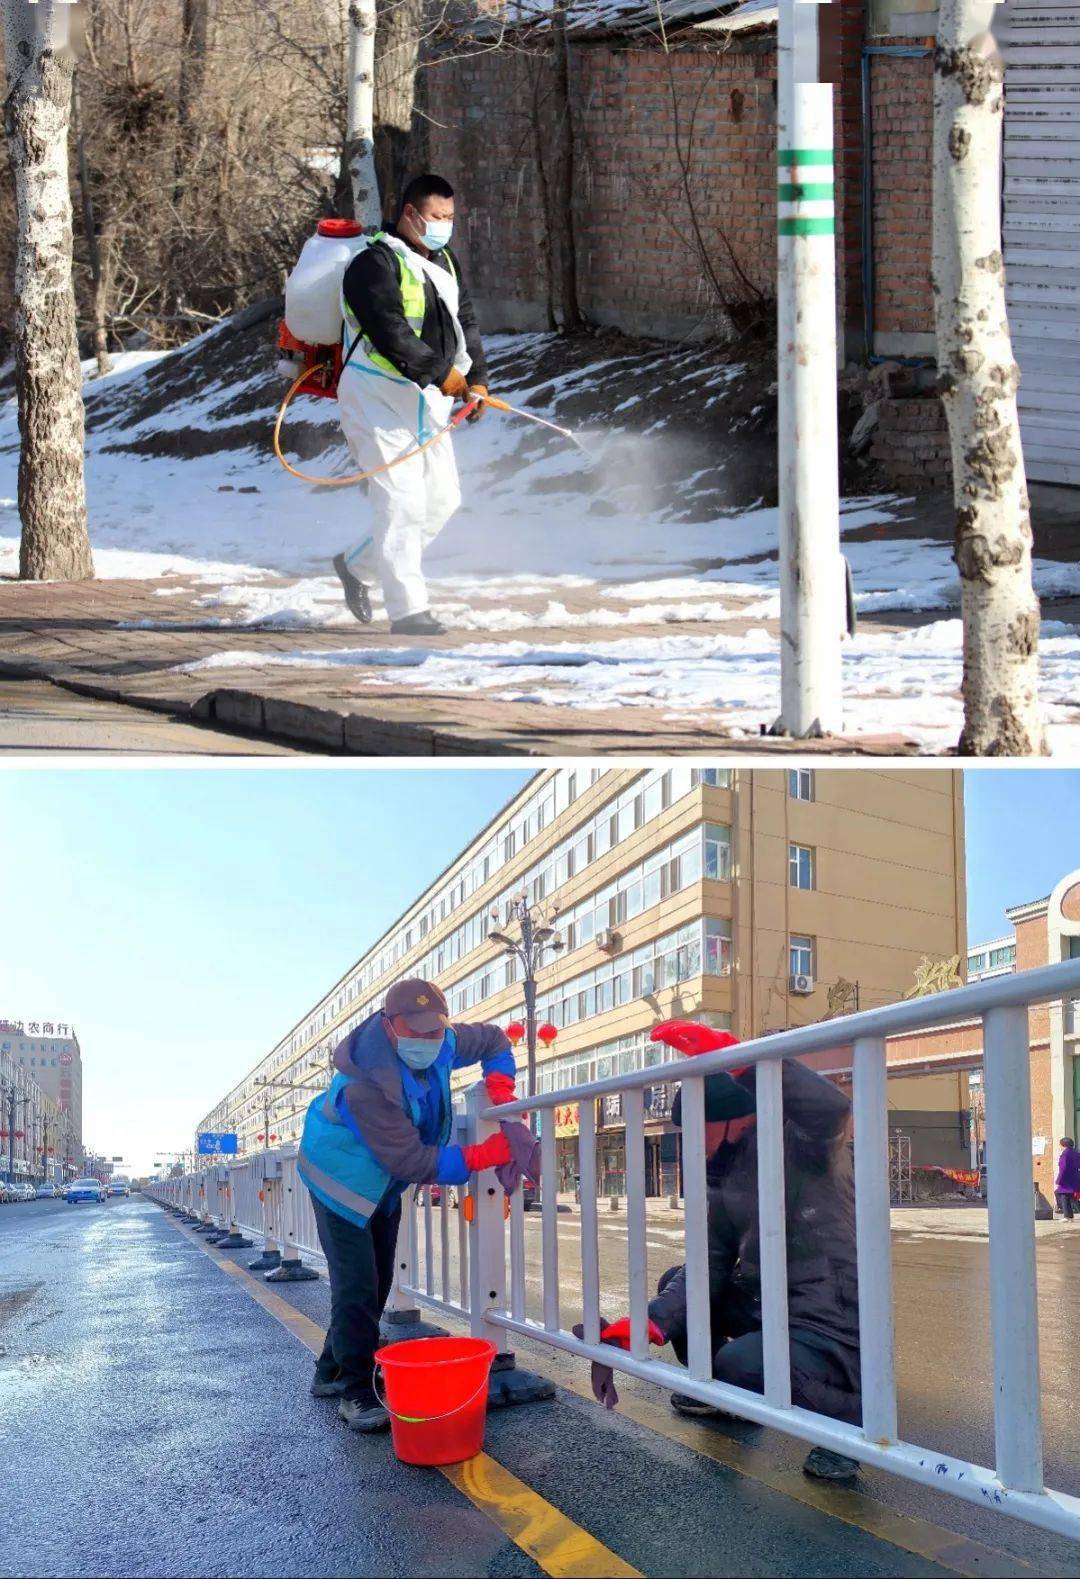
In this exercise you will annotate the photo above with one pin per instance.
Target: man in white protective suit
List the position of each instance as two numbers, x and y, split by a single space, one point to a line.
413 349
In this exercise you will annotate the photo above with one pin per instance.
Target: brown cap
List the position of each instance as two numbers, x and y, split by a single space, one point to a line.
420 1003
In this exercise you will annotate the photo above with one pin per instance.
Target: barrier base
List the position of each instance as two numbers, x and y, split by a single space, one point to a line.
266 1262
401 1318
292 1272
403 1331
215 1234
235 1242
509 1386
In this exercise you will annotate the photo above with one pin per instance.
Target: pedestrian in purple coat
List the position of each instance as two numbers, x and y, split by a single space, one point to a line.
1067 1187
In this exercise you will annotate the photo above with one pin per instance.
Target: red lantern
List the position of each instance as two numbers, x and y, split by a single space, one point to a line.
273 1137
516 1032
260 1137
20 1134
3 1134
51 1150
547 1033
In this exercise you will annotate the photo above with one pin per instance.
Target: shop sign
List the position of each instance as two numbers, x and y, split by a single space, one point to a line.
611 1109
658 1101
567 1118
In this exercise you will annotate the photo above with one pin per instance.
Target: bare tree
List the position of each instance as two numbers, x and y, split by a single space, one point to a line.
402 25
979 379
55 545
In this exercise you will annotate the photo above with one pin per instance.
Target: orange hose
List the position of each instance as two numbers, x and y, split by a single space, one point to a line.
346 482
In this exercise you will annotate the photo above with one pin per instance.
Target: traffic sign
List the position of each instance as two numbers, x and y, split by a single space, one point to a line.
217 1145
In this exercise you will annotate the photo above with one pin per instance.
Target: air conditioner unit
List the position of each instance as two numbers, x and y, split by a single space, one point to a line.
802 985
609 940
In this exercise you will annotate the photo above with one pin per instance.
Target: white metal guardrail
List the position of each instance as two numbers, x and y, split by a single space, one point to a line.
463 1256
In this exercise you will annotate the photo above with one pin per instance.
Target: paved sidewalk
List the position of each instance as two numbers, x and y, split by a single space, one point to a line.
86 636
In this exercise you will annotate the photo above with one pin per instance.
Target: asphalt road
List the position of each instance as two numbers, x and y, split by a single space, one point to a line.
36 716
158 1422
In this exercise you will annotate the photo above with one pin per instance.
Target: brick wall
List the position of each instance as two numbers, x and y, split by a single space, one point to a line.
902 113
638 267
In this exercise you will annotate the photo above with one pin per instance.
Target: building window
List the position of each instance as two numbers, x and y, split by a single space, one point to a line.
801 783
800 866
718 778
717 851
801 956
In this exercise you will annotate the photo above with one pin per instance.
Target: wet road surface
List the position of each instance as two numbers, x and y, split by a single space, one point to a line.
160 1424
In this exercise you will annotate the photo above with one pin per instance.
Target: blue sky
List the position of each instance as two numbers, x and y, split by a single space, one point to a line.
183 919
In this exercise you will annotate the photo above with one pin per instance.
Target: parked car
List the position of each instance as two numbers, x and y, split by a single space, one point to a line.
8 1192
46 1192
85 1190
26 1191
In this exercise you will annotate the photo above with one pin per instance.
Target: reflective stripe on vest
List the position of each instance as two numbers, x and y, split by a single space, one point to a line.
413 305
335 1189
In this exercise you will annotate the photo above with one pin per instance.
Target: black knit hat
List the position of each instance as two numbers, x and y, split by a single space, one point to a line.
724 1098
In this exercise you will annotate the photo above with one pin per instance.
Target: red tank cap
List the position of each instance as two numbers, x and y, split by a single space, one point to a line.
340 229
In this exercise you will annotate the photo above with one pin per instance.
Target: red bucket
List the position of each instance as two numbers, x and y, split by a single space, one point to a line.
436 1396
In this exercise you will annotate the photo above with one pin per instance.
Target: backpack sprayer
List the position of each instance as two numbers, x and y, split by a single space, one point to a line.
309 340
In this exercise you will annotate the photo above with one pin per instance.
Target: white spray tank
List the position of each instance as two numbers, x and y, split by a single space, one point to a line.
313 289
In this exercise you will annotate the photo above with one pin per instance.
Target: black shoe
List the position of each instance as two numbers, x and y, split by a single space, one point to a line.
364 1414
693 1408
823 1464
356 594
424 624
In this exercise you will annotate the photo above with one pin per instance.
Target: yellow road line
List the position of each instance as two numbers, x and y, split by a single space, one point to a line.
561 1548
920 1537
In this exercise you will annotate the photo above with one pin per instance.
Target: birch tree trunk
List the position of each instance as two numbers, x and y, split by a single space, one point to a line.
397 45
359 152
55 545
978 380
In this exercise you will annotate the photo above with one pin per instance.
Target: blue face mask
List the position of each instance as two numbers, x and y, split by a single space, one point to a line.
417 1052
436 234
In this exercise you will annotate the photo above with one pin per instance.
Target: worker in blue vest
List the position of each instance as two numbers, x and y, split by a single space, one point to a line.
384 1125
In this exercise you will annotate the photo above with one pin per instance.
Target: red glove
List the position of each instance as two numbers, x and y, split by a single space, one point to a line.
490 1153
500 1087
691 1039
619 1333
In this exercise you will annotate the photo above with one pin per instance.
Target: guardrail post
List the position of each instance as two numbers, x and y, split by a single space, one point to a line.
268 1175
292 1269
1014 1317
873 1231
487 1271
232 1239
218 1177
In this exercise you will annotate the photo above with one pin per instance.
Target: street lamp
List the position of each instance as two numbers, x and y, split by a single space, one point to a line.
535 933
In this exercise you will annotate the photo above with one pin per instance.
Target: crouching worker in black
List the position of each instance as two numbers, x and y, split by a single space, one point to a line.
385 1124
823 1304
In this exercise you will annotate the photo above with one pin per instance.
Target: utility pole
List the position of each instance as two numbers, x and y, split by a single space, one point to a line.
812 575
360 115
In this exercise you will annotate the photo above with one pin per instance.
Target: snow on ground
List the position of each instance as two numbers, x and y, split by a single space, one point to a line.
905 683
591 537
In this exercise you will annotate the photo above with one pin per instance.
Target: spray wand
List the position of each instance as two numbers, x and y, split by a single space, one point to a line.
417 449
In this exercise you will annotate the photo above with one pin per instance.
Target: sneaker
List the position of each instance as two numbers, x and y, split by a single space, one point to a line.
825 1465
364 1414
695 1409
424 624
356 594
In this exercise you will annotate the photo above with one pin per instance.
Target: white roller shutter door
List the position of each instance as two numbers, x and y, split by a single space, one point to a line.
1041 46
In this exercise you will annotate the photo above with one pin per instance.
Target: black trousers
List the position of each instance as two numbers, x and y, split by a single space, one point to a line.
361 1262
1066 1203
819 1380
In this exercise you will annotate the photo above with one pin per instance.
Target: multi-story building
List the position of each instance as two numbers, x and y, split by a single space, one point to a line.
50 1053
949 1060
753 899
36 1137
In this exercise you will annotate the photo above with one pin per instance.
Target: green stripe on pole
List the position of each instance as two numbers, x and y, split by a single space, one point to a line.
808 227
805 155
806 191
